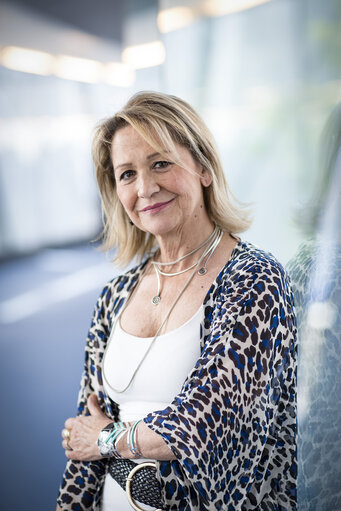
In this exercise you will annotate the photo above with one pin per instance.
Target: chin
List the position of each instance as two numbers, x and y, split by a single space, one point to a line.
160 228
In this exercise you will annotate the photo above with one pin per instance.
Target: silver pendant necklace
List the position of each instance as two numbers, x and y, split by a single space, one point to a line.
214 240
211 249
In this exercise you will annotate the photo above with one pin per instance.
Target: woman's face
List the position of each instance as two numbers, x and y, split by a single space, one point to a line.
158 195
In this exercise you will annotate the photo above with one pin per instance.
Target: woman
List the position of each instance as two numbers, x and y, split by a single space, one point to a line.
198 341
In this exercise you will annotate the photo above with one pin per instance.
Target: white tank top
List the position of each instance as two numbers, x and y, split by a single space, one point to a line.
158 380
162 373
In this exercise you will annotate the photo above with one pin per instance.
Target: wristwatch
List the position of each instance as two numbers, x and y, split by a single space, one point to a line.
105 446
106 441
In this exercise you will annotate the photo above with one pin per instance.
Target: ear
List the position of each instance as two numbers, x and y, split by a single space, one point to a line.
205 178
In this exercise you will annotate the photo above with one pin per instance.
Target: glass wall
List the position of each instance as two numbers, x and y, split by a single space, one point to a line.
266 77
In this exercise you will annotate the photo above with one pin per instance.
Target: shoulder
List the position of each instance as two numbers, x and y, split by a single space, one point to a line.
252 264
251 276
125 281
117 289
252 284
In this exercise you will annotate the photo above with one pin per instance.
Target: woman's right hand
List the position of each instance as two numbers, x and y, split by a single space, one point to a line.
58 508
83 431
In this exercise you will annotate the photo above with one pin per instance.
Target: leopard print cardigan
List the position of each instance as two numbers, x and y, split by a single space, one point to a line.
232 428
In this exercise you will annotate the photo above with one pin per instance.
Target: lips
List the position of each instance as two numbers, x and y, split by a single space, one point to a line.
158 206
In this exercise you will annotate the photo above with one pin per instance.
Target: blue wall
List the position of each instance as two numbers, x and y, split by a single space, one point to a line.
42 360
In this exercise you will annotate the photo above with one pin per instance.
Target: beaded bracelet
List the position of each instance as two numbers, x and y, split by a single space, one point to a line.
132 440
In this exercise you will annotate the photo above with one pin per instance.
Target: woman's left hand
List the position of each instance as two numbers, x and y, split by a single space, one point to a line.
81 441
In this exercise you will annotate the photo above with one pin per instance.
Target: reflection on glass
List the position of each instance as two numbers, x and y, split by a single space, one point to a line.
316 275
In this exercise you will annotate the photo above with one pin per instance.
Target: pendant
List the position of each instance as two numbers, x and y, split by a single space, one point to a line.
202 271
156 300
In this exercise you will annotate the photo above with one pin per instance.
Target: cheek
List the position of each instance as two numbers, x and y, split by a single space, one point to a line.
125 198
191 192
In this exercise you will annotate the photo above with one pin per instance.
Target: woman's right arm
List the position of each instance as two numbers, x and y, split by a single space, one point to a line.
82 480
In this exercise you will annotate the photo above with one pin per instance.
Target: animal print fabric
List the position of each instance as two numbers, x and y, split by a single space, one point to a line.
232 428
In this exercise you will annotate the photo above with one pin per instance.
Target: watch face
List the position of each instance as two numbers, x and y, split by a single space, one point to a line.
103 447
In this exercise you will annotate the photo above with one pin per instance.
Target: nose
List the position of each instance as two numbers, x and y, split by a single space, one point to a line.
147 185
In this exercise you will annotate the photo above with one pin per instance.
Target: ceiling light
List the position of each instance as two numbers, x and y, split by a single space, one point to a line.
214 8
80 70
67 67
120 75
174 18
26 60
144 55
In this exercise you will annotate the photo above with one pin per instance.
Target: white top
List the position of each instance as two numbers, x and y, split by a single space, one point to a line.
158 380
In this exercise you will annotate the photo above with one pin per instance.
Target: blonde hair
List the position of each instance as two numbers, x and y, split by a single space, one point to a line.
162 120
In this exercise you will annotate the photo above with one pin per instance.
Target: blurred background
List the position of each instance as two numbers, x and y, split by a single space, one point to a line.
264 74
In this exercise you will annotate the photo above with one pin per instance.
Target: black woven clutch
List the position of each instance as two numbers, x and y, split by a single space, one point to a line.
145 488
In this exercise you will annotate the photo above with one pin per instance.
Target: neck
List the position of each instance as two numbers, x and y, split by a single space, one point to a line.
186 239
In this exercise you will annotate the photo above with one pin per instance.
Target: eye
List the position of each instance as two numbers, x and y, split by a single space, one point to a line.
161 165
126 175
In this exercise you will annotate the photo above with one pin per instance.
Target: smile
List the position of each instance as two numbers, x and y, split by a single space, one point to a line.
155 208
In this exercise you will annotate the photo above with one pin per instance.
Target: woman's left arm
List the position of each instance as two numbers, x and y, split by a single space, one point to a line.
236 410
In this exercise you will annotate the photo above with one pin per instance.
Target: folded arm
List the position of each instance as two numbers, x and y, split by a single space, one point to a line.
84 431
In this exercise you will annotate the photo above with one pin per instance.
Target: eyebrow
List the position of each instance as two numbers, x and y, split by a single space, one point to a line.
149 157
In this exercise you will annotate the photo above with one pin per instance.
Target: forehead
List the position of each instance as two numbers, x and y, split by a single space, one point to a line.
128 147
128 141
126 137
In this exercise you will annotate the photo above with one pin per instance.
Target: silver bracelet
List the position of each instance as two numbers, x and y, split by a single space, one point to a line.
132 440
106 441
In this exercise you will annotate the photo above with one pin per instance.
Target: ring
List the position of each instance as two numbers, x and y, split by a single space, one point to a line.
66 435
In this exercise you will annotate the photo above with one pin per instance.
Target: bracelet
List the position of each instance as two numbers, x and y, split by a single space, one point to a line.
115 452
116 426
108 438
132 440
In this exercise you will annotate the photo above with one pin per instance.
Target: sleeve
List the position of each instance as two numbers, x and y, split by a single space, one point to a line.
226 421
82 481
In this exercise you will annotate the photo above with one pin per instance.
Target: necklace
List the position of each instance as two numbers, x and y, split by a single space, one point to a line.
177 298
213 233
213 239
